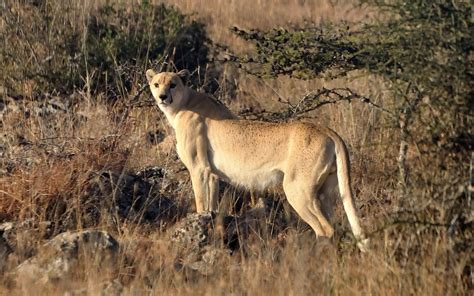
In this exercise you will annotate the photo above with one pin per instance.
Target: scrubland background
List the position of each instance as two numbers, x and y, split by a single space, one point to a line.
75 108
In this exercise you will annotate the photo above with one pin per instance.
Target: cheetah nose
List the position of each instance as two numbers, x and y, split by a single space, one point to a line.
163 96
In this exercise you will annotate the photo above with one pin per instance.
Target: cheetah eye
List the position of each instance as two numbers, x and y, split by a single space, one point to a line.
172 85
157 85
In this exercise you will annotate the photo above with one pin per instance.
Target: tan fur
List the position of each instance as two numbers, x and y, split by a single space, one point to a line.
308 160
184 98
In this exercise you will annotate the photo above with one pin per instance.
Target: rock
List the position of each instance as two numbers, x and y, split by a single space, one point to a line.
151 174
41 106
198 230
5 250
207 261
193 231
201 229
114 287
30 225
23 236
6 226
135 196
111 288
57 259
203 238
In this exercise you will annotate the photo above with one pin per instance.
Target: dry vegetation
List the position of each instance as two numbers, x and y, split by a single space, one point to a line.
56 141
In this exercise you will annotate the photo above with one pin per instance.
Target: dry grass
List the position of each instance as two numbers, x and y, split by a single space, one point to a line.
220 15
67 147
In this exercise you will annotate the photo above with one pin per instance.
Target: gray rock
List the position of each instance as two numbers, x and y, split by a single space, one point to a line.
198 230
57 258
193 232
12 228
134 196
112 288
203 238
5 251
151 174
109 288
23 236
207 261
6 226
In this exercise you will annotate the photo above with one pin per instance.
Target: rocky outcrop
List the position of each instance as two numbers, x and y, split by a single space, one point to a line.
202 239
199 238
58 257
134 196
198 230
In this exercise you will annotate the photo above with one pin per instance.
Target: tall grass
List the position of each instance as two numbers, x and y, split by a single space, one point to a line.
52 158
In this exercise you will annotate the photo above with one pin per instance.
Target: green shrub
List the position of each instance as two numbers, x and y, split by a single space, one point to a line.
53 46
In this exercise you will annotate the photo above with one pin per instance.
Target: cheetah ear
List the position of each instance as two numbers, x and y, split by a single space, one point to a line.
184 75
149 75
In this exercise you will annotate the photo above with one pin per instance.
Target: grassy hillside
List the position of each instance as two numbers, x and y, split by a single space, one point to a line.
84 148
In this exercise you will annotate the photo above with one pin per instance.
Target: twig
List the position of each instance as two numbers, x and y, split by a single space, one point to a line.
312 101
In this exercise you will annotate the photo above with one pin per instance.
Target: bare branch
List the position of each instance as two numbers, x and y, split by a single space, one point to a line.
312 101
